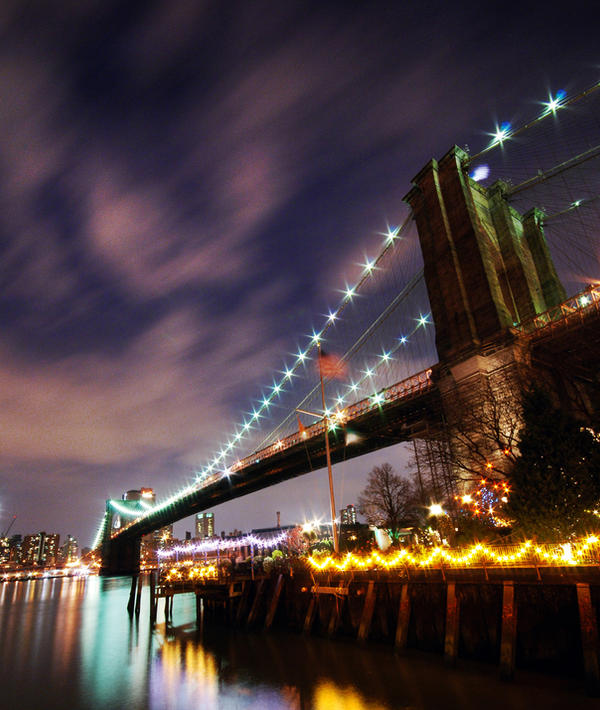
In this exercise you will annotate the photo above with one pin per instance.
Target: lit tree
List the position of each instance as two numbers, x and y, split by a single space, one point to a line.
388 499
555 480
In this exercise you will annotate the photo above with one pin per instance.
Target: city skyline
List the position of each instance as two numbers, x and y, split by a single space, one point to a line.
185 192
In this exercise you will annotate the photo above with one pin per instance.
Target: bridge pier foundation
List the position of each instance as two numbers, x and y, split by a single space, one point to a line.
120 557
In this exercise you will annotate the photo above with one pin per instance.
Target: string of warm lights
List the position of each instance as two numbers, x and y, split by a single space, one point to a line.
227 544
486 500
197 572
569 553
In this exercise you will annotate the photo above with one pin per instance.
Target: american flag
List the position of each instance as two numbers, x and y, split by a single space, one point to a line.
332 366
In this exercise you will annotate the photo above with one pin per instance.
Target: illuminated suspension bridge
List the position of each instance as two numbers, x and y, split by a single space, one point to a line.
498 247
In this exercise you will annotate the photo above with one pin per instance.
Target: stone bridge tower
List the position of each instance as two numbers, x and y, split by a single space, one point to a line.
487 268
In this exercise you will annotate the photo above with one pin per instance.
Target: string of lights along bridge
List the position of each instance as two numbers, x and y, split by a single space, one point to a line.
381 326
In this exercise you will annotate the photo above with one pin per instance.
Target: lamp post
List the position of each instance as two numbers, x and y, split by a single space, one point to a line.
336 542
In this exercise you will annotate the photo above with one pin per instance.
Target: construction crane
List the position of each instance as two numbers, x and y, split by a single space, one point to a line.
12 522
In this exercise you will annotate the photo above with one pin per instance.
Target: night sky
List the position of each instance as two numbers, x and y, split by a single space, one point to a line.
184 186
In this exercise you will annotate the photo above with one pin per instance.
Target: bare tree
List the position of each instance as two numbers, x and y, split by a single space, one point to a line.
484 421
388 499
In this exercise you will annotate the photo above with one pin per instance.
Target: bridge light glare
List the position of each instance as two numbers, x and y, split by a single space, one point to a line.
423 320
353 387
288 373
385 357
369 265
554 103
349 292
392 234
501 134
332 316
436 509
403 340
301 356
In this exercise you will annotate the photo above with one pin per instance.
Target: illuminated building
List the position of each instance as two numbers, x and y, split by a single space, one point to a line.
4 549
15 543
68 551
205 525
40 549
348 515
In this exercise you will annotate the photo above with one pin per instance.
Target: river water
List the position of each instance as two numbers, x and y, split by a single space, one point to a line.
69 644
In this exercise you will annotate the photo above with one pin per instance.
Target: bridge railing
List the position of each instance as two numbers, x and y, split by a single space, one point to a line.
405 389
574 310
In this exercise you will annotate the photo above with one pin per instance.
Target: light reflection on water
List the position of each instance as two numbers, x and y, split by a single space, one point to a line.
69 644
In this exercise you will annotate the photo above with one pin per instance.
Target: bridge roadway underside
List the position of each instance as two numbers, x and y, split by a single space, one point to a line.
571 352
397 421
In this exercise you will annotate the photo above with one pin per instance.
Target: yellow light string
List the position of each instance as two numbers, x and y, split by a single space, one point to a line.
187 573
562 554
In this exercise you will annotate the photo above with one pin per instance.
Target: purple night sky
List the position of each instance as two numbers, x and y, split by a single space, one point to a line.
184 186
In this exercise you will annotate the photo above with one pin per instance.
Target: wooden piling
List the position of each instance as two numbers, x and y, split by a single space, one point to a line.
367 613
381 610
138 598
131 602
153 601
242 603
403 619
274 601
310 614
589 638
452 624
508 641
256 603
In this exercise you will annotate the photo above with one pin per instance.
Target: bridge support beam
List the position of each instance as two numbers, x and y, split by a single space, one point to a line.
120 557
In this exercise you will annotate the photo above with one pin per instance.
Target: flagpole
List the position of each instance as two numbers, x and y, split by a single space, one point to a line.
336 543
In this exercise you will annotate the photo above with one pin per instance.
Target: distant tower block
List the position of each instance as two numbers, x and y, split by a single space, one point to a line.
486 266
205 525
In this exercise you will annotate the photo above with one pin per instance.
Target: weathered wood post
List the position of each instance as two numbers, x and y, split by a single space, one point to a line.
367 614
256 603
337 607
310 612
274 602
131 602
452 624
138 598
153 602
589 638
403 619
198 608
508 641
